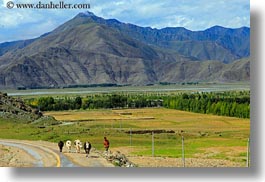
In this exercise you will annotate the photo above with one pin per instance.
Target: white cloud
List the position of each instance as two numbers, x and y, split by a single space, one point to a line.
191 14
15 18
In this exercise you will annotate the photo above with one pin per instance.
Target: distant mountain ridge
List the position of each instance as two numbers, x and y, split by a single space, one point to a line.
91 50
235 43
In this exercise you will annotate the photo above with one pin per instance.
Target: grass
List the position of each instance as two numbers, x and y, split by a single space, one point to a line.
206 136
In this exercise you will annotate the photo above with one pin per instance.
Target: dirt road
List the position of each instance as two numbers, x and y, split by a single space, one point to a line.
20 153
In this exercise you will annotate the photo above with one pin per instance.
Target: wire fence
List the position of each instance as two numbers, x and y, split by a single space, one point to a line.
188 147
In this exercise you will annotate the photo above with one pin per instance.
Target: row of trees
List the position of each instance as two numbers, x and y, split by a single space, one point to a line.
235 104
94 102
223 104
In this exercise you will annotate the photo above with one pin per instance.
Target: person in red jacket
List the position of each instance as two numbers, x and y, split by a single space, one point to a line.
106 144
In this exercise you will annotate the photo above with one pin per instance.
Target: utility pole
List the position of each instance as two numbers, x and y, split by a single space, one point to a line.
153 145
131 137
248 151
183 152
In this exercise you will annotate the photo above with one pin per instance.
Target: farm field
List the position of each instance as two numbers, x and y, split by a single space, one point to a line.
206 137
209 140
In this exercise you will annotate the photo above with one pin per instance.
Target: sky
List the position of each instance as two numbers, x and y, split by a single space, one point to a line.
21 24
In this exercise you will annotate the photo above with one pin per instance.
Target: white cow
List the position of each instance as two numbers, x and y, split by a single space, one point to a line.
78 145
68 145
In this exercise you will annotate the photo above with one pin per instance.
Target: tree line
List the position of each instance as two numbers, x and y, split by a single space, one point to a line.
234 104
102 101
223 104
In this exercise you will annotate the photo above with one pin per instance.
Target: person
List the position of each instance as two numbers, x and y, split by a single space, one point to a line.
106 144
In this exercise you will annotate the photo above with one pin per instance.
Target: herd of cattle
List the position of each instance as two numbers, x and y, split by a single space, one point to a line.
77 144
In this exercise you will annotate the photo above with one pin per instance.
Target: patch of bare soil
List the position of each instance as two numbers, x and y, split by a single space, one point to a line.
177 162
94 159
15 157
25 159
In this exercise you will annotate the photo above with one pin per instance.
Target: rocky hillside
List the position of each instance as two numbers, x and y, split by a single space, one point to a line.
91 50
216 43
16 110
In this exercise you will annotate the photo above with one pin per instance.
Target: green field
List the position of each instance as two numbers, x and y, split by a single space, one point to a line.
206 136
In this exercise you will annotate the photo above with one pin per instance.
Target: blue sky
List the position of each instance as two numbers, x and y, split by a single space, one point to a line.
18 24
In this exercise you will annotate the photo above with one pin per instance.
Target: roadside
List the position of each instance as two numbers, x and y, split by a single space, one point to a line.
20 153
177 162
15 157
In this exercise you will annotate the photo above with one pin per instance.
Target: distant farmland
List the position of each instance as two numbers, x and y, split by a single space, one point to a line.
206 136
210 140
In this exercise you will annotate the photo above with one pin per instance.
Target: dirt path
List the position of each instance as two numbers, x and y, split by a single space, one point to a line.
18 153
93 160
15 157
39 155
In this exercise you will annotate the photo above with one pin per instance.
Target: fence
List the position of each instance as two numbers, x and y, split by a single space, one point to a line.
187 148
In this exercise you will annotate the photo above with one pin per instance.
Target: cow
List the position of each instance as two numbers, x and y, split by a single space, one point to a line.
68 145
87 147
78 145
60 145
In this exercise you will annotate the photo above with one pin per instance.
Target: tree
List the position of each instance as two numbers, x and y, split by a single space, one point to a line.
78 102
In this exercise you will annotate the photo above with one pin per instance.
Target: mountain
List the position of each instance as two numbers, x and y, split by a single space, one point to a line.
216 43
207 71
9 46
91 50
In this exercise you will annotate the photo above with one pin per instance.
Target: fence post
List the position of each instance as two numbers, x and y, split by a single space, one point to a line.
131 137
248 149
153 145
183 152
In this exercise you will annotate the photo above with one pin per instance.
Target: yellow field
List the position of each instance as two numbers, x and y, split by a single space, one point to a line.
158 118
207 137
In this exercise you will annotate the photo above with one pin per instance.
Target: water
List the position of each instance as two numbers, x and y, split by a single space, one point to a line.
199 88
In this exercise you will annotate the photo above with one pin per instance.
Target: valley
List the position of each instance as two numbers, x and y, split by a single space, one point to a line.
106 51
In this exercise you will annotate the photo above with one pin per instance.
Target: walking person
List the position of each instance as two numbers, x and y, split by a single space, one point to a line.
106 144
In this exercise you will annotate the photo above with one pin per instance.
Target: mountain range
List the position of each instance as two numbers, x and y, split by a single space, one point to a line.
91 50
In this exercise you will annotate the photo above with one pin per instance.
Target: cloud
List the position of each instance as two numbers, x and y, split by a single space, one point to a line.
15 18
191 14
